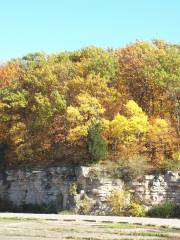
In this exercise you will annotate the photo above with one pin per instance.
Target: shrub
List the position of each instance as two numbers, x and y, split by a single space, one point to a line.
177 212
163 210
97 146
85 206
39 208
7 206
136 210
3 149
174 163
128 169
117 202
52 207
73 189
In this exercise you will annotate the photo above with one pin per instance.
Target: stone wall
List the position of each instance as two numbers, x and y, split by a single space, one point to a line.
54 185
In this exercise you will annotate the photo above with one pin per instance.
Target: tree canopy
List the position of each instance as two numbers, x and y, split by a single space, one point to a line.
92 104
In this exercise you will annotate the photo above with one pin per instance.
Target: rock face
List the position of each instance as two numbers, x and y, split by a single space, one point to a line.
154 189
53 185
67 186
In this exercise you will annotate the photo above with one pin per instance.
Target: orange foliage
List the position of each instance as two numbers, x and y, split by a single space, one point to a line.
8 73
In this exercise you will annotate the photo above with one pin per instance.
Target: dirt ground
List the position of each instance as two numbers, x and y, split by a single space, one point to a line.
43 229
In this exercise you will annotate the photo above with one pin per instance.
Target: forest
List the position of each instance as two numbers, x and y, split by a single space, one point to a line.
93 105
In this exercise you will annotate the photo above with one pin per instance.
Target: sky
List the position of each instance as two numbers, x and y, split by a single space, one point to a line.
58 25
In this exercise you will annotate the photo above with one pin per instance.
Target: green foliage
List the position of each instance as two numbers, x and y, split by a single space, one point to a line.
97 146
38 208
164 210
97 61
172 164
14 99
118 103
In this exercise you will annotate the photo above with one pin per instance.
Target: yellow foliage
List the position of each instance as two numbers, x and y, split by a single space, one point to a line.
105 124
85 206
133 108
117 201
176 155
119 126
136 210
159 126
82 116
139 124
160 141
128 129
46 100
73 114
24 152
17 133
3 105
89 105
77 133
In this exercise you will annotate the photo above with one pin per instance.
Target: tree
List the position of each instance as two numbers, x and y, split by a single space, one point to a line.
9 72
87 111
151 73
123 102
131 128
97 146
28 107
160 142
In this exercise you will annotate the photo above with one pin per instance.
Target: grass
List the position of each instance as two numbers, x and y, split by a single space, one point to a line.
131 226
67 212
8 219
83 230
145 234
64 230
27 235
119 226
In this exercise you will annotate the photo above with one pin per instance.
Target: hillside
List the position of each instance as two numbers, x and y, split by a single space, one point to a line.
116 106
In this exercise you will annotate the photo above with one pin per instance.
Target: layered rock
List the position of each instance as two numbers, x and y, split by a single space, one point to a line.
52 185
154 189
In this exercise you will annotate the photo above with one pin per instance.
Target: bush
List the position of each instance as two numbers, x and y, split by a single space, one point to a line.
7 206
52 207
136 210
117 202
85 206
39 208
177 211
172 164
164 210
3 148
73 189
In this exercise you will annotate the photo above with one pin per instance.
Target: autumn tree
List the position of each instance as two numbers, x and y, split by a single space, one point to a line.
92 104
150 72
